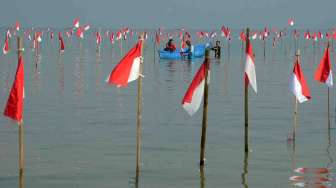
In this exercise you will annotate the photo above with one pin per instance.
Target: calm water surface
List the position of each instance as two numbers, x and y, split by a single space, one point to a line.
80 132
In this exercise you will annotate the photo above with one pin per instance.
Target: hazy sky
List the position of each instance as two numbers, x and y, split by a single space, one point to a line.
169 13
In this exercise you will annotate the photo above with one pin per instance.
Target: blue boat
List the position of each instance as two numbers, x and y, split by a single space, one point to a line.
199 51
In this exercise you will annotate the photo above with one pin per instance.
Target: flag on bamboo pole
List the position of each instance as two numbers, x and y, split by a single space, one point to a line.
76 23
291 22
5 48
98 38
60 38
323 73
250 74
127 70
193 97
298 84
14 106
17 26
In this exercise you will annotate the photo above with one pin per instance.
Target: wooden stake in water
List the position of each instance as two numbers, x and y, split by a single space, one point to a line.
246 98
121 47
205 108
295 117
328 109
138 128
202 178
245 170
21 155
264 47
154 47
21 133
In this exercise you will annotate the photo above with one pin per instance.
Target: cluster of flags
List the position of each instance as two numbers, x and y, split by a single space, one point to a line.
127 70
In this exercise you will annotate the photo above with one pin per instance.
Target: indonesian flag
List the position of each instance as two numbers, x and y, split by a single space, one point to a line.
98 39
38 36
324 73
250 75
68 34
127 70
320 35
76 23
14 106
5 48
242 36
17 26
112 38
254 35
298 84
118 35
80 33
86 27
193 97
290 22
213 34
60 38
225 31
307 35
52 35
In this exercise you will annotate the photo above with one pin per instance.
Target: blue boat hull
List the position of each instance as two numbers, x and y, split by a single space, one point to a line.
199 51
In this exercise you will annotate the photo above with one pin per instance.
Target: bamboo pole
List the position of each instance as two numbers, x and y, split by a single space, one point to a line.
121 47
295 117
246 98
21 155
138 128
245 170
205 108
328 106
21 132
264 48
202 178
154 40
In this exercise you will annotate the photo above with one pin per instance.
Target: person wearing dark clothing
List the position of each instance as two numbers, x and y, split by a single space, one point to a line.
217 49
170 46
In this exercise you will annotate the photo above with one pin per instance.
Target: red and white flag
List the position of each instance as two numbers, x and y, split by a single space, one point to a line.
60 38
98 38
250 74
51 35
119 34
112 38
86 27
193 97
242 36
76 23
5 48
17 26
291 22
127 70
298 84
80 33
14 106
324 73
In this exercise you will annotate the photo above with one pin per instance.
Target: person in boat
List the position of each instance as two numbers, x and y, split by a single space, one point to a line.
189 49
170 46
217 49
